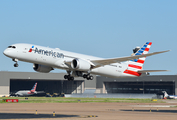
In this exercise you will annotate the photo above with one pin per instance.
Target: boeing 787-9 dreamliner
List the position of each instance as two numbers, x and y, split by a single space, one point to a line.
46 59
27 92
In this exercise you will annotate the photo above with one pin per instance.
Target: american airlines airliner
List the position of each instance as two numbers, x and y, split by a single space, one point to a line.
27 92
45 59
166 96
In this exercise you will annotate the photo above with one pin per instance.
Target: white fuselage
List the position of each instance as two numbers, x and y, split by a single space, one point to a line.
56 58
24 93
172 96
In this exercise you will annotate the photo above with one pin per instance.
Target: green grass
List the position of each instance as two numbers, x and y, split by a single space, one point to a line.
78 100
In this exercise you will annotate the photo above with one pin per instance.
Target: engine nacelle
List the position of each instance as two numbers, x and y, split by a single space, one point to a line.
81 65
42 68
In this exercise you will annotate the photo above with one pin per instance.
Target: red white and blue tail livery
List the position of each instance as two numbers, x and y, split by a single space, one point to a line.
45 59
137 64
34 88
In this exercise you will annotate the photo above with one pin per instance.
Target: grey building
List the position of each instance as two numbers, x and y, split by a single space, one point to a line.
55 83
145 84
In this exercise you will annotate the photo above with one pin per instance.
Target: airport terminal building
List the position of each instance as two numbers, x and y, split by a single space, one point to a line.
55 83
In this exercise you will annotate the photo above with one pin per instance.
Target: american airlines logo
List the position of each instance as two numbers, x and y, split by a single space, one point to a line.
46 52
31 49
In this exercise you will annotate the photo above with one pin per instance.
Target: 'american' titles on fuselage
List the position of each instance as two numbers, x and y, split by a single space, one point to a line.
47 53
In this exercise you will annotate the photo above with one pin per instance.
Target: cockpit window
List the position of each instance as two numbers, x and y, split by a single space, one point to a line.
11 47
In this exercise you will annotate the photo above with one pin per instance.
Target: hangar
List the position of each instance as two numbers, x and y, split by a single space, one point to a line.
55 83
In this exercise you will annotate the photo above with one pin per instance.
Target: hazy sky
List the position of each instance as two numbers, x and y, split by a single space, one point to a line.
103 28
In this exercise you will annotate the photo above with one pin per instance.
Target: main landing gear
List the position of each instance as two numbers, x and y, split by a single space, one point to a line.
88 76
69 77
15 60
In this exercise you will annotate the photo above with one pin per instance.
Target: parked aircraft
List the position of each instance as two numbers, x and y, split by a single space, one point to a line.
166 96
46 59
28 92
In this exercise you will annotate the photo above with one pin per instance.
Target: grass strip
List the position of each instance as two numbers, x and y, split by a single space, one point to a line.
78 100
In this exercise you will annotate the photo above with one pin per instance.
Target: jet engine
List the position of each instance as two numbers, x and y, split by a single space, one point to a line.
81 65
42 68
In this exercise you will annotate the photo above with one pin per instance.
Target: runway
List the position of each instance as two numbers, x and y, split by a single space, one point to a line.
84 111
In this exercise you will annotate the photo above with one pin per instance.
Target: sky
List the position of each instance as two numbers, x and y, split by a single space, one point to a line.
102 28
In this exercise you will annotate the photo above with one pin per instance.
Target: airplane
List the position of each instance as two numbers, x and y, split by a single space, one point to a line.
166 96
45 59
28 92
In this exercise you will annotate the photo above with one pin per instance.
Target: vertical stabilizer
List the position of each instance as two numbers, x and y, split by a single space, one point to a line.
165 94
34 88
137 64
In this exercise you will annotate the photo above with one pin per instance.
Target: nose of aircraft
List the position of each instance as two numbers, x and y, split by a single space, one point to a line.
9 53
6 52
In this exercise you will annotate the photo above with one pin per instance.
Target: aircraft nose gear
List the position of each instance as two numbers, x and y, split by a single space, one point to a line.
70 78
88 76
15 60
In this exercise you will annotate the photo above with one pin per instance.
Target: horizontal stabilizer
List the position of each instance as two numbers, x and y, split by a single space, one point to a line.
145 71
37 92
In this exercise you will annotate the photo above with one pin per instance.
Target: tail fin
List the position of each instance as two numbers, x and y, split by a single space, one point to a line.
34 88
137 64
165 94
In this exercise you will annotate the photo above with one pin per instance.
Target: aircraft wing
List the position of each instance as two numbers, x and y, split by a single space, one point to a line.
103 62
68 63
20 94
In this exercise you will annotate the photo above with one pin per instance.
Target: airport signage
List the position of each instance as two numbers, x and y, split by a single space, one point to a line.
11 100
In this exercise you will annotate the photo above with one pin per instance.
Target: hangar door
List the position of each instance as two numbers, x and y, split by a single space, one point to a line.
139 87
48 86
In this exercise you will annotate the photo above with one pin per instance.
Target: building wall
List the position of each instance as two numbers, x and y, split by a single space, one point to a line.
5 78
4 91
165 81
4 84
175 87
